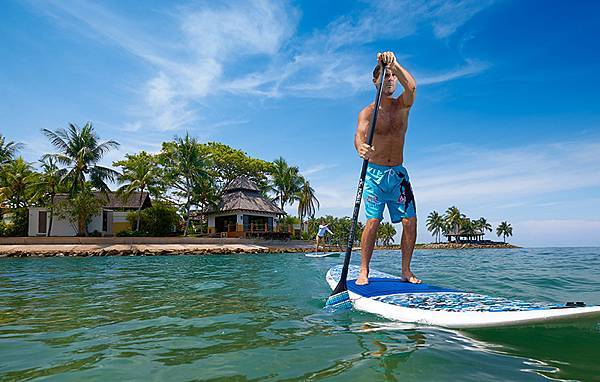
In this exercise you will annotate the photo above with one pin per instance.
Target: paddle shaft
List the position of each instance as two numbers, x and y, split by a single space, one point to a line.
361 184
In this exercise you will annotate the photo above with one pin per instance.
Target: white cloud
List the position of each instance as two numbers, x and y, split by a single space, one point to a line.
471 67
478 175
317 168
209 45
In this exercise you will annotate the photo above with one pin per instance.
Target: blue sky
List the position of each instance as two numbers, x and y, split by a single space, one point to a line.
506 124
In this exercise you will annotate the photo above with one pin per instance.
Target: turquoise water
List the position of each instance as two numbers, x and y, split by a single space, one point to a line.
259 317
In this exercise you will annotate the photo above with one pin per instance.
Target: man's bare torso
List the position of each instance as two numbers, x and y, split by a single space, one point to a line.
388 140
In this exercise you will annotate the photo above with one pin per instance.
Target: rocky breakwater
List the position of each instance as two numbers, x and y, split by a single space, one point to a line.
140 250
464 245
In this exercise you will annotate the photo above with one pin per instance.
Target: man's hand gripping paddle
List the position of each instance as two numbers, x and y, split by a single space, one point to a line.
339 298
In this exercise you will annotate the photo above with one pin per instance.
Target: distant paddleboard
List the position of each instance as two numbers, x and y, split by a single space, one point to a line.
388 296
322 254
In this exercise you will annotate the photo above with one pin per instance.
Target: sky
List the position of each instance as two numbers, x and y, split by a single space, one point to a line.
506 123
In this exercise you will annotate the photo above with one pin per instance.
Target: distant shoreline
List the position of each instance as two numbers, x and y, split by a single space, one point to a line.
88 247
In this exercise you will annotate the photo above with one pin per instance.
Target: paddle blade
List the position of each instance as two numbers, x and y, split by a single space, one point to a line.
339 301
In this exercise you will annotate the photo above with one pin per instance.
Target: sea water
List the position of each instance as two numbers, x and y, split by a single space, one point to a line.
260 317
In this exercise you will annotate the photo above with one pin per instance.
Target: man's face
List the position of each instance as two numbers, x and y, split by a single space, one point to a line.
389 84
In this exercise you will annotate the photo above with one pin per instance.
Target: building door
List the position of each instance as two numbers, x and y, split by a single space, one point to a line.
104 221
42 218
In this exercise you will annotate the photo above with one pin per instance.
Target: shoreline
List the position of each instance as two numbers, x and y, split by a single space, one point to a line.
78 249
161 246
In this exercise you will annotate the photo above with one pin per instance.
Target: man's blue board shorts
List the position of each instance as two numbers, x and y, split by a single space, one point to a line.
388 185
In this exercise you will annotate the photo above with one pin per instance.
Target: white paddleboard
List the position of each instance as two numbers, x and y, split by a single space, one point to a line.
389 297
322 254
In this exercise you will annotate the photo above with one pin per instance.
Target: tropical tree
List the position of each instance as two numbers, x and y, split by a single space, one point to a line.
47 185
17 179
504 229
286 182
386 233
467 227
185 169
454 218
435 224
80 150
79 209
227 163
139 173
482 225
8 149
306 202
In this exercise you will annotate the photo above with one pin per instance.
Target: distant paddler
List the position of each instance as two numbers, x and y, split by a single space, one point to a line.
323 229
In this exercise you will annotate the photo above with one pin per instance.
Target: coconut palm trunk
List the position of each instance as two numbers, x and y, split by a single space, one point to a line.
188 206
139 210
49 233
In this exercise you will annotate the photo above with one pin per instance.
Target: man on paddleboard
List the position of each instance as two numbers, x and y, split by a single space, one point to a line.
387 181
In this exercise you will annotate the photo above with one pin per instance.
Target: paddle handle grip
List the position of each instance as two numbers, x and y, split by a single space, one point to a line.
361 184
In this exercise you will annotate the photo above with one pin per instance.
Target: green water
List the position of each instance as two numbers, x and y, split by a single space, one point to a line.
259 317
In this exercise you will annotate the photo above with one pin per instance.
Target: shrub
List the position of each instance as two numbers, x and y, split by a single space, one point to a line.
158 220
19 223
130 233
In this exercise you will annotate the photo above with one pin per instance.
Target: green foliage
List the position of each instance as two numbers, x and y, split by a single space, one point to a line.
339 226
504 229
17 181
130 233
158 220
80 150
8 149
386 233
140 173
307 201
286 182
186 171
228 163
435 224
18 225
79 209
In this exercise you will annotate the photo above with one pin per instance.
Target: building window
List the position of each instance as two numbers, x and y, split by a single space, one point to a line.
42 218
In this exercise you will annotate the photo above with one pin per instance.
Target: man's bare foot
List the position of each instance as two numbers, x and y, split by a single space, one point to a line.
410 278
363 279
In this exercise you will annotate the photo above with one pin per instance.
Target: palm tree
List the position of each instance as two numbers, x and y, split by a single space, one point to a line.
139 173
504 229
453 218
482 225
306 202
186 170
17 181
435 224
286 181
8 149
80 150
386 233
48 184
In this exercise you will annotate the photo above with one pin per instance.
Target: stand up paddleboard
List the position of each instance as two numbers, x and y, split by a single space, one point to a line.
390 297
322 254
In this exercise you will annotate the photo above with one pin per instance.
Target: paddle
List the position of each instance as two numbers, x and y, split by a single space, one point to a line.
339 298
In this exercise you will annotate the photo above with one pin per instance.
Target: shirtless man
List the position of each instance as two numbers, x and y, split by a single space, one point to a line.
387 181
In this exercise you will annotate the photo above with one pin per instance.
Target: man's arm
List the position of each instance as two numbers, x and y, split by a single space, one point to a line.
360 138
404 77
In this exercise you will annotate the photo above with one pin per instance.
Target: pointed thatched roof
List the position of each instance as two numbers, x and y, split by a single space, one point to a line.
241 183
242 194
